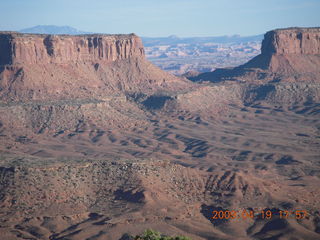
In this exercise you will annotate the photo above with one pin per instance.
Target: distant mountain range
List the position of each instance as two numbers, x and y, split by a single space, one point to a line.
52 29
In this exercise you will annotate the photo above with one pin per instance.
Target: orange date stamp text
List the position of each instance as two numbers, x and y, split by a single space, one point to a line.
267 214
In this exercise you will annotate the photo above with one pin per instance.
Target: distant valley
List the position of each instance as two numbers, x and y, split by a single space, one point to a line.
201 54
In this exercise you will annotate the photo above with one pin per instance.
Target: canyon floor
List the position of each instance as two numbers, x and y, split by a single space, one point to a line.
168 172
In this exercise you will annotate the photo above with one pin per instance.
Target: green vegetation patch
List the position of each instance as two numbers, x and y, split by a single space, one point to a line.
150 234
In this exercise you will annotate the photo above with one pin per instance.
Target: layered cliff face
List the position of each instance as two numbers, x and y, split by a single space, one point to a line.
17 48
292 41
39 67
290 51
291 54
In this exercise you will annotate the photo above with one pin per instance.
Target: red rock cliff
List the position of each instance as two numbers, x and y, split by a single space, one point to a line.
51 67
291 51
291 54
16 48
292 41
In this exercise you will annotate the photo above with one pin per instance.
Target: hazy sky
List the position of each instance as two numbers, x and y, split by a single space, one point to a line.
162 17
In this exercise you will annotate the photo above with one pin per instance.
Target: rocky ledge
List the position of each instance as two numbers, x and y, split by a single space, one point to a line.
290 55
17 48
292 41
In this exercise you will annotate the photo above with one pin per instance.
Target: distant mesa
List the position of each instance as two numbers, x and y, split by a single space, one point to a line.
173 37
291 55
163 55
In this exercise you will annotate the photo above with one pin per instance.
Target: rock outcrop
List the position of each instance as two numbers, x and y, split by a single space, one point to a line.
291 54
40 67
292 41
17 48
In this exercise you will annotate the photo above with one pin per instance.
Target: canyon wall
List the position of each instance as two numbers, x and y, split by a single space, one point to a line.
292 41
291 55
290 51
17 48
51 67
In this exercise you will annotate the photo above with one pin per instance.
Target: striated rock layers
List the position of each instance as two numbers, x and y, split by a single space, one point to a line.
38 67
19 48
291 54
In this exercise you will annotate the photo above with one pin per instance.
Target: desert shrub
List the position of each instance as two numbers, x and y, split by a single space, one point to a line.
150 234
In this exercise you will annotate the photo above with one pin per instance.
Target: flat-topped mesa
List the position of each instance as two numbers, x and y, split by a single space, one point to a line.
17 48
291 51
59 67
291 54
292 41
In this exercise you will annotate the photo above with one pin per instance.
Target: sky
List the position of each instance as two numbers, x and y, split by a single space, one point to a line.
160 18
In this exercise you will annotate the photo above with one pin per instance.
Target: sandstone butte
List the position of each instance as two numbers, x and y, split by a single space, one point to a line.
291 54
38 67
